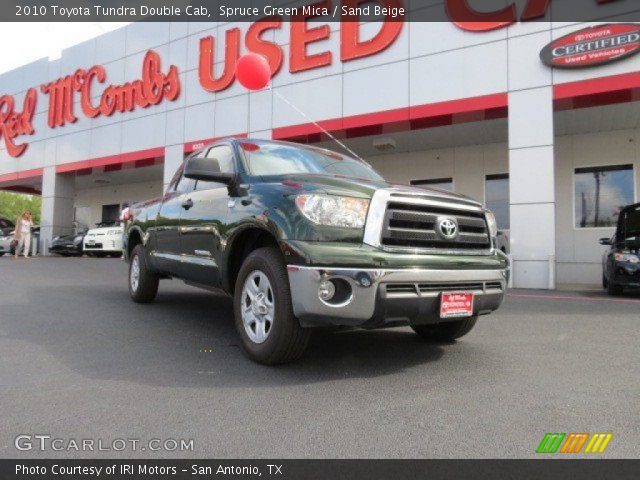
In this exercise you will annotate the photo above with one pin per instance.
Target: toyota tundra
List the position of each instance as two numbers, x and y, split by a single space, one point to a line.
303 237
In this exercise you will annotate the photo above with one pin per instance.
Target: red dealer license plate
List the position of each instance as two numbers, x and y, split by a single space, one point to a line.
456 304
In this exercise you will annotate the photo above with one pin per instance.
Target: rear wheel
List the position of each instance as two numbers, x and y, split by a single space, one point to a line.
143 284
446 331
264 319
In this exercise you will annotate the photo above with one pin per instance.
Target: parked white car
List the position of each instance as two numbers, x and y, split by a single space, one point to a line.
105 239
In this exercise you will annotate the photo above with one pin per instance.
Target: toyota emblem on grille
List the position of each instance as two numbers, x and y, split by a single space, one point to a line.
447 227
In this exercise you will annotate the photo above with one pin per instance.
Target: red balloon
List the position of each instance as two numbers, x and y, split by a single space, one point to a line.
253 71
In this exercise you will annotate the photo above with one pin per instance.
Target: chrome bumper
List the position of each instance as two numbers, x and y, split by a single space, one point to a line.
382 297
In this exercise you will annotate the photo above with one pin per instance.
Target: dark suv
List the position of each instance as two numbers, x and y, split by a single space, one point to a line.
621 261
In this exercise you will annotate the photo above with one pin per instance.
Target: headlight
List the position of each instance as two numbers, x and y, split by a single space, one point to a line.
113 232
626 257
334 211
77 239
491 221
55 238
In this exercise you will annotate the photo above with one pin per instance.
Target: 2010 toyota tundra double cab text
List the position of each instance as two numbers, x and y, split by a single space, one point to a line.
303 237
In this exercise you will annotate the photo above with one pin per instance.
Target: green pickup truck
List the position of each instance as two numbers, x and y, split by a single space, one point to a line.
303 237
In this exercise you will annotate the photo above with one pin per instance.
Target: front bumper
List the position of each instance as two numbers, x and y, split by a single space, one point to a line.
102 244
386 297
627 274
65 248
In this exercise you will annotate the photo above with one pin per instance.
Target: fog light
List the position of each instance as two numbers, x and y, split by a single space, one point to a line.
326 290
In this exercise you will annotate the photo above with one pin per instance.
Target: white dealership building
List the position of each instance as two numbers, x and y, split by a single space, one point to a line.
553 151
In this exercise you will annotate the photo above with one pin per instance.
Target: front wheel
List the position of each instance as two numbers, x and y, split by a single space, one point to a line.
447 331
264 319
143 284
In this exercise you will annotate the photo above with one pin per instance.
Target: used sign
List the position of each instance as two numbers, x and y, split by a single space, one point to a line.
593 46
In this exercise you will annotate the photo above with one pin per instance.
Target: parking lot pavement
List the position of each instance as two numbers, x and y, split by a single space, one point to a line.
79 360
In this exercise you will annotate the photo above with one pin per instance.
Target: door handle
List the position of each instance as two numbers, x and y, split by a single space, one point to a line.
187 204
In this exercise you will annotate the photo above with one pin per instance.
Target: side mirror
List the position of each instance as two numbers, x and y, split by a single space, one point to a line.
605 241
207 169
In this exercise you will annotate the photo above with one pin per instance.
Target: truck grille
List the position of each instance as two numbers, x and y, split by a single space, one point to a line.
409 225
417 289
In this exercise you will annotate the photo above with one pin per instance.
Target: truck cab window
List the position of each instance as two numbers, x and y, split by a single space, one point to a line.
226 160
184 184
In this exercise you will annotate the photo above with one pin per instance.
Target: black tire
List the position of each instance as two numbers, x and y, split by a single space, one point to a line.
2 253
446 331
286 340
613 289
147 286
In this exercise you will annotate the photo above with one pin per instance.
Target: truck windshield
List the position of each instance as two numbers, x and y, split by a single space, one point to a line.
265 158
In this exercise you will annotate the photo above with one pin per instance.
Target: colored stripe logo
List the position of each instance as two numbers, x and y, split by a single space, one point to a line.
574 442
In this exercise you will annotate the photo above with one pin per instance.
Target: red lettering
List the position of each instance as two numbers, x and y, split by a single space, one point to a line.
60 101
255 44
13 124
301 36
150 90
207 61
471 20
350 45
535 9
108 102
100 75
467 18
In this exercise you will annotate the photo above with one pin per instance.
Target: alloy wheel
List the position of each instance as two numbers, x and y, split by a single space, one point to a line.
257 306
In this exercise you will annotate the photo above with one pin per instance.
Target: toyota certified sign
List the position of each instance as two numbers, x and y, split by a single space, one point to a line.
593 46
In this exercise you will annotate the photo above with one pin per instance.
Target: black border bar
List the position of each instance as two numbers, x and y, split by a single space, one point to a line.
225 11
544 468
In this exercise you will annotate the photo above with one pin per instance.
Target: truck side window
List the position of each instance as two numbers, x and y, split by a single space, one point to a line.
225 157
184 184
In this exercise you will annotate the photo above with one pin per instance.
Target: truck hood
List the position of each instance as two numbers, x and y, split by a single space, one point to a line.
360 187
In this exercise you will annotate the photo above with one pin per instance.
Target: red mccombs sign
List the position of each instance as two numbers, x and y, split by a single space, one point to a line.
156 85
151 89
14 123
593 46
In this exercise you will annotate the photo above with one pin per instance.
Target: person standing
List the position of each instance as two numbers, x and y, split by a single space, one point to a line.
124 218
23 234
124 214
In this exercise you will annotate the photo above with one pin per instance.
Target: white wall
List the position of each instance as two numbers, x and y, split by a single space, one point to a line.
88 201
468 166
